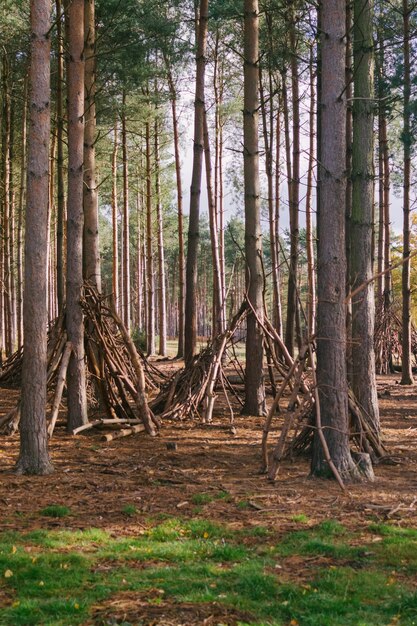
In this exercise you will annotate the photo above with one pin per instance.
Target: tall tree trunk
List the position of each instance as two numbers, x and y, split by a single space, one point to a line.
268 134
387 234
162 305
60 227
407 375
254 384
331 317
126 223
34 456
363 304
219 322
181 251
77 400
20 218
91 234
115 212
190 338
6 174
348 213
292 301
150 299
277 206
311 278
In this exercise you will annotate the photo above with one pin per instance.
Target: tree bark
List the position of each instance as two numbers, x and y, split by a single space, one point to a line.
254 384
77 401
363 305
34 456
91 233
114 212
150 291
190 337
331 316
60 227
162 305
407 374
181 252
126 223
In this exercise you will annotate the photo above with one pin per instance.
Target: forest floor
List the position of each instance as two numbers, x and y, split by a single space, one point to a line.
131 532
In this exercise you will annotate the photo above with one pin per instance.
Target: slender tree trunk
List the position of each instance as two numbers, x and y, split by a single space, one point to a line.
6 174
190 338
363 305
150 328
181 251
91 233
277 206
77 401
311 278
292 301
60 227
254 385
115 211
407 375
219 322
348 213
20 217
387 235
126 223
34 457
331 317
268 134
162 305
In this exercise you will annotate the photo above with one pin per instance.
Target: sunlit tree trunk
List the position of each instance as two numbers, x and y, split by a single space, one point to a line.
181 251
34 456
331 317
363 304
77 401
150 290
254 384
190 341
161 252
60 226
407 375
91 234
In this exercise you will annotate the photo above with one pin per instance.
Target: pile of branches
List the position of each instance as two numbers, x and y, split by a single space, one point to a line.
388 338
192 390
120 376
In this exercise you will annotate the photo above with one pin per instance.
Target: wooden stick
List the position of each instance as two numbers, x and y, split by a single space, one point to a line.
125 432
103 422
59 387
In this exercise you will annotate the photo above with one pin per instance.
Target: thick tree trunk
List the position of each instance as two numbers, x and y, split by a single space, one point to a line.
363 305
91 234
387 234
331 316
407 375
77 401
190 338
254 384
34 457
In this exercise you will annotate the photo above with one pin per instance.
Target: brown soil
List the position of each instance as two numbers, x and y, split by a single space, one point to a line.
97 480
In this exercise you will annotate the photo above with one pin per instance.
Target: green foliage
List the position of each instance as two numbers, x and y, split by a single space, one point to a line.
56 510
130 510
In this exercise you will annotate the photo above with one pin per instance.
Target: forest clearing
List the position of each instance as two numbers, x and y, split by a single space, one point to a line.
197 535
208 312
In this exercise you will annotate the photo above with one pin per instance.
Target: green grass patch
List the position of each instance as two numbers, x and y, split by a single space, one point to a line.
55 577
201 498
56 510
130 510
